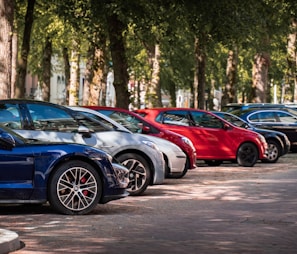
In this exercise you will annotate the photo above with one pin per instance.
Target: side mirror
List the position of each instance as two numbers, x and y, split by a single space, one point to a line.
146 129
84 131
6 141
227 126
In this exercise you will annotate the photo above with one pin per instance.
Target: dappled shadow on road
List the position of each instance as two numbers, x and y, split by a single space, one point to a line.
211 210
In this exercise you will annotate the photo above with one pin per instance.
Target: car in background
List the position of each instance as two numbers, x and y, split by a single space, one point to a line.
175 159
51 122
278 142
242 106
272 119
215 139
137 124
73 178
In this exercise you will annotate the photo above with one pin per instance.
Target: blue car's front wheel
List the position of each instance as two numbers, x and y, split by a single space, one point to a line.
74 188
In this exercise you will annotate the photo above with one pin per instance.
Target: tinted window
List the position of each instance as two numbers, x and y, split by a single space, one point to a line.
10 116
46 117
130 122
100 124
175 117
263 117
203 119
283 117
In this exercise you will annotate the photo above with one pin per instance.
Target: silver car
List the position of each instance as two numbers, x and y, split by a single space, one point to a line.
51 122
175 158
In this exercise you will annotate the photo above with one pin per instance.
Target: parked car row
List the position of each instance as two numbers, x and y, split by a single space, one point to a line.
77 157
55 123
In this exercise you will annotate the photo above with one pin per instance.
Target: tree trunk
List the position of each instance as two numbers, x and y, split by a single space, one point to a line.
22 64
292 57
6 24
260 77
155 94
67 73
14 63
119 61
231 72
89 74
74 74
200 59
98 85
172 93
46 70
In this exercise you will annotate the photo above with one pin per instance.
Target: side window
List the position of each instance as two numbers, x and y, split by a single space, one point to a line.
96 123
48 118
286 118
266 117
176 118
206 120
128 121
10 116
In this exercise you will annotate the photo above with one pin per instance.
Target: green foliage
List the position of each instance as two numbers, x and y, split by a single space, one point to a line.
255 25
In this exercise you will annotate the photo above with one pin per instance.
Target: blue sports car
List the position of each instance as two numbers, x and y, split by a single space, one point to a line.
73 178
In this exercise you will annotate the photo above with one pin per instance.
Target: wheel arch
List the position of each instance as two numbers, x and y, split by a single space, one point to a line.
145 156
276 139
80 158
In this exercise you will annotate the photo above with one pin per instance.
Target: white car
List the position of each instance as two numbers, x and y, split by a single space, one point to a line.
51 122
175 158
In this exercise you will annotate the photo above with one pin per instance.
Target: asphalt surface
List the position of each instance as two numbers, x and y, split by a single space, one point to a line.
212 210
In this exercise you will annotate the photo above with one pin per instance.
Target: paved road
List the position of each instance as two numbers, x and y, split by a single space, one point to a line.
212 210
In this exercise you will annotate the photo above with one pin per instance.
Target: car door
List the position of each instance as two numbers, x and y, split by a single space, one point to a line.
205 131
215 140
16 172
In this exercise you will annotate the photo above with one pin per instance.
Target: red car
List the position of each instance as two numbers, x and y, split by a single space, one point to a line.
215 139
138 124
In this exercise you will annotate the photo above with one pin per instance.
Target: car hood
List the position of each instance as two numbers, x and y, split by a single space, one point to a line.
266 131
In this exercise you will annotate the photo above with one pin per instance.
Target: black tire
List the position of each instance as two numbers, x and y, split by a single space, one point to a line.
274 151
139 172
74 188
247 155
213 163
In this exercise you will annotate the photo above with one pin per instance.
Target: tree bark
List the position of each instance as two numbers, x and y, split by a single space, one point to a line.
6 31
119 61
89 74
200 60
67 73
155 93
292 57
260 77
74 74
231 72
23 61
14 63
46 70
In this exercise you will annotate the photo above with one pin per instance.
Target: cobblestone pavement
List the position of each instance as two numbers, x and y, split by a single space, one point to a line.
212 210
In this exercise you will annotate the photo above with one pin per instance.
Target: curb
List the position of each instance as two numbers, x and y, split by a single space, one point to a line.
9 241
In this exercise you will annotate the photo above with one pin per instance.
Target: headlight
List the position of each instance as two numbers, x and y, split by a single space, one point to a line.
188 142
150 144
122 174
